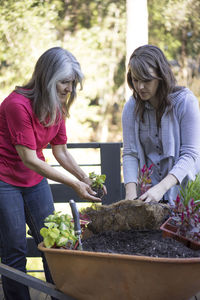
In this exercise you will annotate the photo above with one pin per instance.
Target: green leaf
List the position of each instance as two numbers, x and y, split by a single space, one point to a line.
44 232
54 233
49 242
61 241
63 226
51 224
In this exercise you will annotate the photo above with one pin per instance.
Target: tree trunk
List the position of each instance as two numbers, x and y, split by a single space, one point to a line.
137 27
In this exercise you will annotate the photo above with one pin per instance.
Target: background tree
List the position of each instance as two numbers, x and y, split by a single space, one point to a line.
26 30
94 31
97 32
174 25
136 28
98 29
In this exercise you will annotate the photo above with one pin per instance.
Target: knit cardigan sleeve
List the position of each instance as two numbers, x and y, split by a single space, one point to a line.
130 154
188 115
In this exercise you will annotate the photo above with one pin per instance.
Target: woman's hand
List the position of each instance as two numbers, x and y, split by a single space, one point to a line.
87 180
154 194
84 191
131 191
157 191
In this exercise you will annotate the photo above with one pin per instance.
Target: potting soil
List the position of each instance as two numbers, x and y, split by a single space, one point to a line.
147 243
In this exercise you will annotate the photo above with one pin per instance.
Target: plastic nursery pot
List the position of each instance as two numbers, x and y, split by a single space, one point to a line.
87 275
170 230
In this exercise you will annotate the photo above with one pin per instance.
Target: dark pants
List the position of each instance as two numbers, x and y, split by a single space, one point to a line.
18 206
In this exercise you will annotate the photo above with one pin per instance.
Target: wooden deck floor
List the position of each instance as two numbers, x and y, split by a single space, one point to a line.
35 295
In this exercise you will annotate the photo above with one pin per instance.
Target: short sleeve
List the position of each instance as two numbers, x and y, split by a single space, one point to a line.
19 122
61 137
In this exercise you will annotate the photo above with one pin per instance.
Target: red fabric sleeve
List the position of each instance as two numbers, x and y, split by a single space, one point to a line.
19 123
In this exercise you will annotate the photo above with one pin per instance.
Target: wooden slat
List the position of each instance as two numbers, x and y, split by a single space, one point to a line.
111 166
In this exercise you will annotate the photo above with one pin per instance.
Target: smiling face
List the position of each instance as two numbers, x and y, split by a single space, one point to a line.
64 88
147 89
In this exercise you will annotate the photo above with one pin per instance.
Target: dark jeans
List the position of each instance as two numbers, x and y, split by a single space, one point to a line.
18 206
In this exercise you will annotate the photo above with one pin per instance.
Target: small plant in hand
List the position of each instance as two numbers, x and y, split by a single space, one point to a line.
186 212
59 231
144 178
97 183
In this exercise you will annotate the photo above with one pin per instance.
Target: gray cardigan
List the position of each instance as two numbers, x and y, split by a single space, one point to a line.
180 131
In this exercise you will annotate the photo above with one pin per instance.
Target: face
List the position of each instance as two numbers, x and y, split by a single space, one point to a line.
147 89
64 88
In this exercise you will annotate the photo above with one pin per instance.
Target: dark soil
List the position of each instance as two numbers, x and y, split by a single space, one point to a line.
147 243
99 192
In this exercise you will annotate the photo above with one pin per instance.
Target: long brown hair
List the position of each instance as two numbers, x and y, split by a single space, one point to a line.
143 58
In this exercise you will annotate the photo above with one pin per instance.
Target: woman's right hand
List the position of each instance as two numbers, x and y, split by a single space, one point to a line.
84 191
131 191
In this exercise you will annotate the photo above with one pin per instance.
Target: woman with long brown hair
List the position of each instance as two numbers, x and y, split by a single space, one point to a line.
161 127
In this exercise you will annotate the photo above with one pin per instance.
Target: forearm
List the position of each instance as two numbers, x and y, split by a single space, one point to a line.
31 161
168 182
156 192
67 161
49 172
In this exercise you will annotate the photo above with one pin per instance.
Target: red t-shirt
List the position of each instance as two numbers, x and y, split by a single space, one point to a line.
20 126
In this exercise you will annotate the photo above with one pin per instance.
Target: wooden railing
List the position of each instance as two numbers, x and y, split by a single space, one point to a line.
110 164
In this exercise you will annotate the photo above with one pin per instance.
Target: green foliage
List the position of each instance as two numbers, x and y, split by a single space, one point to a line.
95 32
174 26
191 191
171 30
27 29
59 231
185 215
97 180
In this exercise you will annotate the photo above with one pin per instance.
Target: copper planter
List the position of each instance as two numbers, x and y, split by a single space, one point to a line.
100 276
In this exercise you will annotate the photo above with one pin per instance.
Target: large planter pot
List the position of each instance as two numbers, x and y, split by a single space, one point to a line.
100 276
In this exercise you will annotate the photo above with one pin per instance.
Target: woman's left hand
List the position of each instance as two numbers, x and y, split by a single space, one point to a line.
154 194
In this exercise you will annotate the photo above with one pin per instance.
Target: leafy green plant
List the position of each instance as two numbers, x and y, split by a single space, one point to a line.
185 215
58 231
97 180
97 183
191 191
187 218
